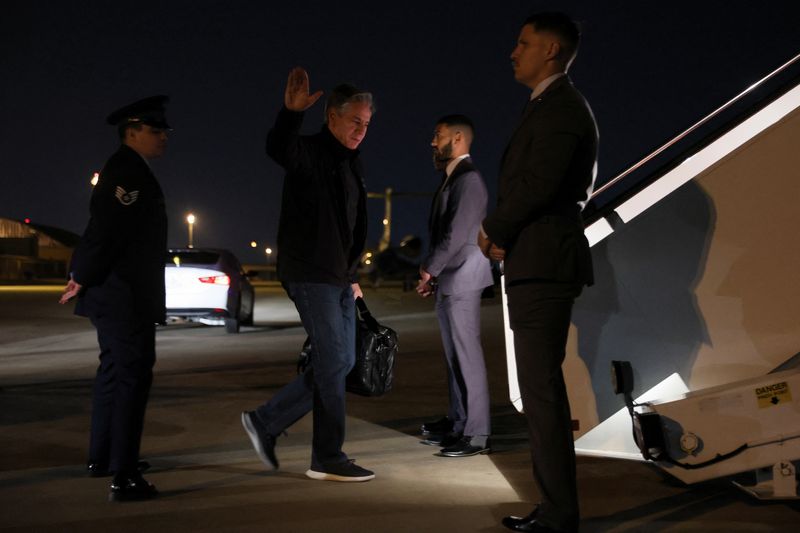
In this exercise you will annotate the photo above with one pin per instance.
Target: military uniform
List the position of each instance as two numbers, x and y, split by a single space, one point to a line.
120 265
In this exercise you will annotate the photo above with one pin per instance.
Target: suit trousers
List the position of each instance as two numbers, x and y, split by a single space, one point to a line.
328 315
120 391
539 313
460 324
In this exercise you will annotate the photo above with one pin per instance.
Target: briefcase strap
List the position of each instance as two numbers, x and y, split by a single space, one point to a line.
366 316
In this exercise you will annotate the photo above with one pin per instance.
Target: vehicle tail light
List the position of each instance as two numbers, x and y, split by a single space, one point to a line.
216 280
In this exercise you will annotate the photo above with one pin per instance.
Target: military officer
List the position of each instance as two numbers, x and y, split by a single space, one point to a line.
117 274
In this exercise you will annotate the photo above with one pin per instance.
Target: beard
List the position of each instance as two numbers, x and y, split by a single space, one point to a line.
443 156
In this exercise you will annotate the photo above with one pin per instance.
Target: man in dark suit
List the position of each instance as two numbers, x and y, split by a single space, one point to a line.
117 273
546 175
461 273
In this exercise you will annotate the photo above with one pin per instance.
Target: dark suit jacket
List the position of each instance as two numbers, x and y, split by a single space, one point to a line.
315 243
120 258
458 208
546 174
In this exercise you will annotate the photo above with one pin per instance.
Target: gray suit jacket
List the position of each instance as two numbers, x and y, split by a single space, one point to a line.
456 214
546 173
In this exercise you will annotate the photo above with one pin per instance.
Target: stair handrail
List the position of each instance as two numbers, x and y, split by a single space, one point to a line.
689 130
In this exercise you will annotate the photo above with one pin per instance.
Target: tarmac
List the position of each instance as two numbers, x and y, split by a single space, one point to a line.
210 479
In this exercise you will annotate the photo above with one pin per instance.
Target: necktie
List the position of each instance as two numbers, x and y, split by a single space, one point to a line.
529 106
435 204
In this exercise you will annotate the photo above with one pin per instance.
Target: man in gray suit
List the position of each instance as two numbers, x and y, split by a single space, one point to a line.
546 175
456 271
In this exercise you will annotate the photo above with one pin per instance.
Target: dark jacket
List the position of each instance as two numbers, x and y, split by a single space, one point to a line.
120 258
456 213
315 243
545 176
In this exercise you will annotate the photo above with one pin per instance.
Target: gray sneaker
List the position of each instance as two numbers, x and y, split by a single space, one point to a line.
348 471
263 442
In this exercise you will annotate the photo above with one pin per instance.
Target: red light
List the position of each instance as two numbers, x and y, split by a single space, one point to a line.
27 221
216 280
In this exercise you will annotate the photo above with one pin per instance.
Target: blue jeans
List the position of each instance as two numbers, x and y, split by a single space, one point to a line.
328 316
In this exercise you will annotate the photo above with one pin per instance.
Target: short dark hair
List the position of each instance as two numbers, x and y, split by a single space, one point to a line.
563 27
458 121
344 94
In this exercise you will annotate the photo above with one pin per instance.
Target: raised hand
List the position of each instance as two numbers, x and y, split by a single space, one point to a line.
297 97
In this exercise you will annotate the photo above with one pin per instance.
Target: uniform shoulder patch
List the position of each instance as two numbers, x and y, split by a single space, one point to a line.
125 197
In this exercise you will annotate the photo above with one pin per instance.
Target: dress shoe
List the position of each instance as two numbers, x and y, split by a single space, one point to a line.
439 439
263 442
528 523
101 470
131 487
437 427
465 448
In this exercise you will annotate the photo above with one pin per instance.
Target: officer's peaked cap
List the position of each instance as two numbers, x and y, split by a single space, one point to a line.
148 111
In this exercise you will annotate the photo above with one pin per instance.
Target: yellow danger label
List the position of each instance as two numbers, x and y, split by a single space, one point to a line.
773 395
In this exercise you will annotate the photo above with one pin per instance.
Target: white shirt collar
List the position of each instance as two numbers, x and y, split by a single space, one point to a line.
451 166
544 84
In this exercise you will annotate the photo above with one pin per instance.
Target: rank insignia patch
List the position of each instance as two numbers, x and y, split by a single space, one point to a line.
125 197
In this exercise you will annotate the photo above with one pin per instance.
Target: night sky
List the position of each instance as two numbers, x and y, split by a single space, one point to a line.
649 69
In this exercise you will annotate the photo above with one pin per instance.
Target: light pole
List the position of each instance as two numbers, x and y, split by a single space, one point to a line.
388 194
269 254
190 219
386 238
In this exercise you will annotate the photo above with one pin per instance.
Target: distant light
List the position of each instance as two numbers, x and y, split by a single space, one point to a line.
95 178
368 262
369 254
177 261
253 244
27 221
385 222
269 251
190 218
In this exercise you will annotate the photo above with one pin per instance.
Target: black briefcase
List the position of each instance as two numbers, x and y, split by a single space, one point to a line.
376 350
